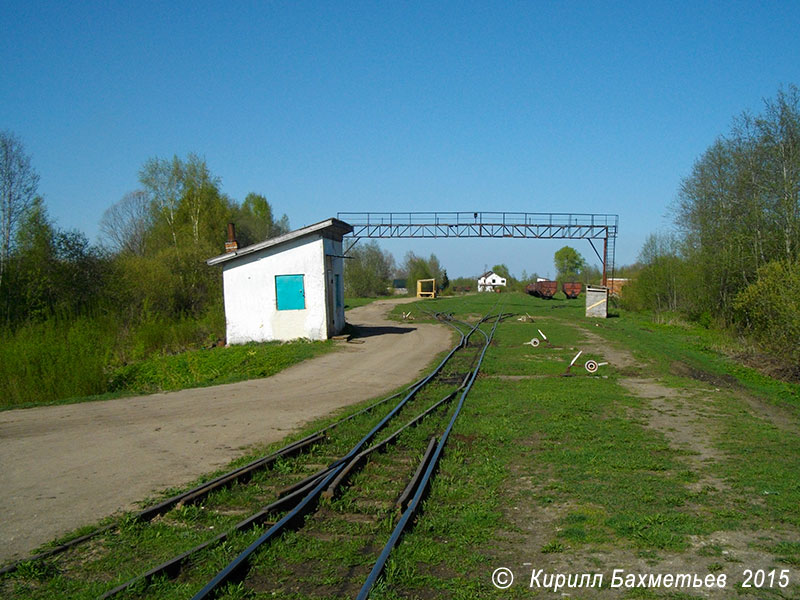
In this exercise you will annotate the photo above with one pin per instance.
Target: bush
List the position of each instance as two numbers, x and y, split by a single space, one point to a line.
368 272
55 359
769 308
68 357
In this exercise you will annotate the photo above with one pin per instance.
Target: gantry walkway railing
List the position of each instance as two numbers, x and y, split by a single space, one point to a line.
572 226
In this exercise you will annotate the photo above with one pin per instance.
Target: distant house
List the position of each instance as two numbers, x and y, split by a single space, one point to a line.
398 287
490 281
287 287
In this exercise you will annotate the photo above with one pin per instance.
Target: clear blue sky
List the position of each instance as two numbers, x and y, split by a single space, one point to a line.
378 106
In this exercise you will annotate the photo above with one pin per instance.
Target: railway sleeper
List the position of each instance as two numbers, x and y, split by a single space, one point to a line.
361 458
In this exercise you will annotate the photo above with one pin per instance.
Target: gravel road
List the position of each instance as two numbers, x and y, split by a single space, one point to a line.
62 467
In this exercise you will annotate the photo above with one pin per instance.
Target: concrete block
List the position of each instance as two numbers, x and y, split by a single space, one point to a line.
597 301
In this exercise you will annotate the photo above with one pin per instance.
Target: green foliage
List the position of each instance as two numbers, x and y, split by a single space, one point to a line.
415 268
663 280
156 335
64 358
462 284
50 272
209 367
255 221
740 206
58 358
503 271
187 206
71 313
368 271
734 260
569 264
769 308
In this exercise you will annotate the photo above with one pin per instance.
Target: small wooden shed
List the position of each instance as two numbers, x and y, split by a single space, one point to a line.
286 288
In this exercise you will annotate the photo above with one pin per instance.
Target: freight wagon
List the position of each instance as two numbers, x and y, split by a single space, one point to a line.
571 289
542 289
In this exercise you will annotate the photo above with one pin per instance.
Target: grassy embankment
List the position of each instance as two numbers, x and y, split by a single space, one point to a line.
77 360
671 459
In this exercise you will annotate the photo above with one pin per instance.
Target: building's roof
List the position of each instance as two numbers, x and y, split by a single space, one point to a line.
488 273
332 227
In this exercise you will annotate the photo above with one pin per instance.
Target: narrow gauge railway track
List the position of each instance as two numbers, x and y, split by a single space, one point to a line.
200 492
293 499
369 506
278 476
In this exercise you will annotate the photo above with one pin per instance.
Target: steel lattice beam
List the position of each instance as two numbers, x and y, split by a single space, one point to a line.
495 230
568 226
482 224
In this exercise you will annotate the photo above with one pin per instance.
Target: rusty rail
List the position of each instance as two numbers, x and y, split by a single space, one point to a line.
422 486
236 569
402 501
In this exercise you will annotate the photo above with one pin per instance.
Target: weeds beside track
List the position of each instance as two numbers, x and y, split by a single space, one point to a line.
571 475
220 503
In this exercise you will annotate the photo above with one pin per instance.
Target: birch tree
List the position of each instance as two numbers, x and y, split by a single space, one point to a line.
162 179
18 185
125 224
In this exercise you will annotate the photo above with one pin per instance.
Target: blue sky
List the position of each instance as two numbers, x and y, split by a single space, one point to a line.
380 106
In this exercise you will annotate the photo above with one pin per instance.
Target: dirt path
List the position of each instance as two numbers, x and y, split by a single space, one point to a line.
677 414
686 419
62 467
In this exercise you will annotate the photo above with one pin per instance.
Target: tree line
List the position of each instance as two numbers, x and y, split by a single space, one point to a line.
734 255
370 271
71 311
154 242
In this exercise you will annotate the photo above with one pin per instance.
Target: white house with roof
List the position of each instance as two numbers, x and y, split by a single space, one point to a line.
489 281
285 288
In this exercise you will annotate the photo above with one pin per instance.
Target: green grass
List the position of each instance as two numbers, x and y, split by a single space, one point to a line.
45 362
566 473
65 361
709 351
211 367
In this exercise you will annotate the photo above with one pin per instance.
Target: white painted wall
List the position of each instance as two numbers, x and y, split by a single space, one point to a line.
250 300
488 283
334 270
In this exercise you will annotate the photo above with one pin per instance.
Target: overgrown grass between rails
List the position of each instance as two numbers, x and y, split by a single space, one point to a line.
550 470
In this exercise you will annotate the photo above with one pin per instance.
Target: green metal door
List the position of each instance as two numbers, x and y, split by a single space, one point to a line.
290 292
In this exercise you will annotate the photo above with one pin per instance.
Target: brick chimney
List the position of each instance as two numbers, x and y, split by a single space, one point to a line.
231 245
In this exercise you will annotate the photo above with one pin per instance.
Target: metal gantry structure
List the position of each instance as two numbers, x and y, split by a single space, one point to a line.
525 225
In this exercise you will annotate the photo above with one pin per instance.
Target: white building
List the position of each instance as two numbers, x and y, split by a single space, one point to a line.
287 287
489 281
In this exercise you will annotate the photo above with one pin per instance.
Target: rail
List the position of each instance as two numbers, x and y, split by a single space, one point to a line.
235 570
